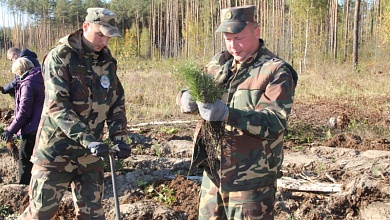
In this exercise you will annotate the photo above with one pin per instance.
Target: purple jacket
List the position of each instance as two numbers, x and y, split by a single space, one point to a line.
29 98
26 53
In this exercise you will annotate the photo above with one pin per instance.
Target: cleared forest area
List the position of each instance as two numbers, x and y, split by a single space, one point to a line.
336 151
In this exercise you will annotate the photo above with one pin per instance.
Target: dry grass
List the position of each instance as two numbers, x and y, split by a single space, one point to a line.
339 83
150 95
151 90
367 92
6 76
363 95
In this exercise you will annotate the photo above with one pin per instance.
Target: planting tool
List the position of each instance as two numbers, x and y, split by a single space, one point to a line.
111 155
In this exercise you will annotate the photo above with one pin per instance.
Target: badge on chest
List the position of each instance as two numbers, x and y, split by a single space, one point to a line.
104 81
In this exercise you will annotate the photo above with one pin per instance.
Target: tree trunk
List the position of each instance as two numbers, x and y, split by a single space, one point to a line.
336 8
306 38
152 27
355 52
212 25
346 26
160 26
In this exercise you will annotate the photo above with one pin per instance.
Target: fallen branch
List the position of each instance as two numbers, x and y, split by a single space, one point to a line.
294 185
160 123
308 186
330 177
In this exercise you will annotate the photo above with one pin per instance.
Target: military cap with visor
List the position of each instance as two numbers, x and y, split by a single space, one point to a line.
105 18
235 19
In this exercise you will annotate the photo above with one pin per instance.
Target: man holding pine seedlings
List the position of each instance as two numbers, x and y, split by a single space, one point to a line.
258 92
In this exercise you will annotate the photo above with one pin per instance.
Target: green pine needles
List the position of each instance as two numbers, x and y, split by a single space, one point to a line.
200 85
203 88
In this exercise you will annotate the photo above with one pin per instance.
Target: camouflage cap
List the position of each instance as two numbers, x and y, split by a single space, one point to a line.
105 18
235 19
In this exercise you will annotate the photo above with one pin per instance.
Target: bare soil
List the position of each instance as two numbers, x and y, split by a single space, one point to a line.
152 183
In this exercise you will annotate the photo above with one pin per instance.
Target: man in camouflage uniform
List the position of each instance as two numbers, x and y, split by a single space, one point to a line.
82 93
259 90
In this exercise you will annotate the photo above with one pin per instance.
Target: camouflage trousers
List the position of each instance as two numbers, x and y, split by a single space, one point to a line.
48 185
252 204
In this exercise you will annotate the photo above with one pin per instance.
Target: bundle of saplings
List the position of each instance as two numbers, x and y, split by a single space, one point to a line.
203 88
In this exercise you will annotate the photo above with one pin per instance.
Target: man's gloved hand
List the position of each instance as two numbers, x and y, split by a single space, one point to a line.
185 101
98 149
6 136
122 149
216 111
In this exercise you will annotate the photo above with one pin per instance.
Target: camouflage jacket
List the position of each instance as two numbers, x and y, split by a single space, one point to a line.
259 96
82 93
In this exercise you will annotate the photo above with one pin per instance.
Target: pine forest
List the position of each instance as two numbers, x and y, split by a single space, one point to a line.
306 33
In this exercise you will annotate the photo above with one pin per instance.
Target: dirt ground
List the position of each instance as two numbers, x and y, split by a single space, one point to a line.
333 174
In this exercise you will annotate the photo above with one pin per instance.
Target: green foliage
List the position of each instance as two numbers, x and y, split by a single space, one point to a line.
320 167
300 22
163 194
142 183
376 171
96 3
303 133
364 128
5 210
329 134
138 149
298 148
385 33
145 43
168 130
201 86
291 218
156 150
130 45
119 164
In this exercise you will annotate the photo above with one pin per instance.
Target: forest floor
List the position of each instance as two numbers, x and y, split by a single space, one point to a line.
334 174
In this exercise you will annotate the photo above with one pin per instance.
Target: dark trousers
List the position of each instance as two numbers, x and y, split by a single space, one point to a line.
25 151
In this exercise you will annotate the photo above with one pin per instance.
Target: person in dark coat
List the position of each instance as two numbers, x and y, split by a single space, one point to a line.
12 54
29 98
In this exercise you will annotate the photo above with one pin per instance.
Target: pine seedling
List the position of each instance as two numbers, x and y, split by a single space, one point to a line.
203 88
200 85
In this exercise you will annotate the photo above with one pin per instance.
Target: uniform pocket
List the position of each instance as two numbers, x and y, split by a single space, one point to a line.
78 90
245 163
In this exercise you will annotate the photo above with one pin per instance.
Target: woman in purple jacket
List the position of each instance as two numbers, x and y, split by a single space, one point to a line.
29 98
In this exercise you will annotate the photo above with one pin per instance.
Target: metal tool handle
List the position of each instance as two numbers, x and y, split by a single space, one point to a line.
111 155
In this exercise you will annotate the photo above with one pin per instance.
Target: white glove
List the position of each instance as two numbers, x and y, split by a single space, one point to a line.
216 111
186 102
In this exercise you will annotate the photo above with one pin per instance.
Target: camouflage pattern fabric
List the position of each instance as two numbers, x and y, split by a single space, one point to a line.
47 189
82 94
259 94
105 18
235 19
250 204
